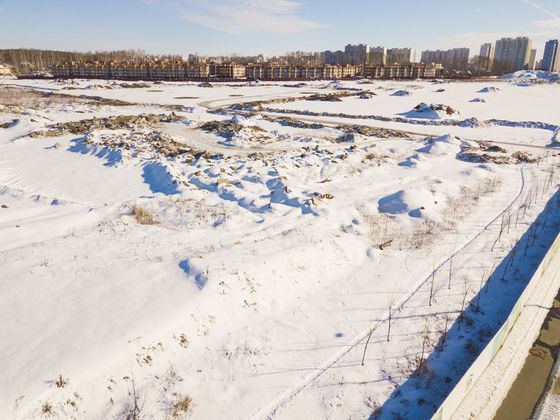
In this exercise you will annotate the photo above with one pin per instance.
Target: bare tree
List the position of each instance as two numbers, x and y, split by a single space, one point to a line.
477 307
391 301
136 402
433 278
446 319
494 263
450 272
466 291
425 344
501 231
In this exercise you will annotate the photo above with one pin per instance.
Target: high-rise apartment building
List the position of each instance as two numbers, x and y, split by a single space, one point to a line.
455 59
486 57
532 60
512 54
334 58
551 58
402 56
357 54
377 56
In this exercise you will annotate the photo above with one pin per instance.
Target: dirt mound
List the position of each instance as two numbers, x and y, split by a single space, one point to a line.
108 123
429 108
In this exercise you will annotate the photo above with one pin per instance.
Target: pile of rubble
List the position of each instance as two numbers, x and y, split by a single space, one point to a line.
290 122
227 129
518 157
427 108
330 97
149 143
364 130
108 123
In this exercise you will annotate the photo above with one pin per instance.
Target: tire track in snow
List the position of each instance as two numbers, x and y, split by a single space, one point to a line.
273 408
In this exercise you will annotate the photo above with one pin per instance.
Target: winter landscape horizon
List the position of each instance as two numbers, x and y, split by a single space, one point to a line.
222 229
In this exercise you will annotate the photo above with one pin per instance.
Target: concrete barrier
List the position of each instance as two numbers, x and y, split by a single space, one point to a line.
484 386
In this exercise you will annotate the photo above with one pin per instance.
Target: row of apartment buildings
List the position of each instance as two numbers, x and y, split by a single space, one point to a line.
503 56
453 59
513 54
363 54
177 70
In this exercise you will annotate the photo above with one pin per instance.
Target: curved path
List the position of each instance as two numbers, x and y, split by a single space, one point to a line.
334 122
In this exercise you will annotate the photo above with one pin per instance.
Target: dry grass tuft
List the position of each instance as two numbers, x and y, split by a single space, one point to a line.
60 382
181 407
47 409
143 216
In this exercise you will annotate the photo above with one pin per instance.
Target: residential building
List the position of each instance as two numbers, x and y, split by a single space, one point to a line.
357 54
410 71
165 70
401 56
454 59
377 56
532 60
182 70
551 58
486 57
228 71
538 65
334 57
512 54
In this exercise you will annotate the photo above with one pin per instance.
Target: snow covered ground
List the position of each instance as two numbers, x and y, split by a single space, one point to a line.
170 251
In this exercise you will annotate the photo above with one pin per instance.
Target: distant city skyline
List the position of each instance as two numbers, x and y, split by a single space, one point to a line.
271 27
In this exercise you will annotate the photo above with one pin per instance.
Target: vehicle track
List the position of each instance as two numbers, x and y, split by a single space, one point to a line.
331 122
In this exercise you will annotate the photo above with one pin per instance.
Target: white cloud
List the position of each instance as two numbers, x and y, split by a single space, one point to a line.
553 23
244 16
549 23
541 8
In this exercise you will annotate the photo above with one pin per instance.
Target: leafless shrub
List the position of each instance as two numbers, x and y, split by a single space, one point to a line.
423 233
443 332
47 409
385 231
143 216
135 404
60 382
376 157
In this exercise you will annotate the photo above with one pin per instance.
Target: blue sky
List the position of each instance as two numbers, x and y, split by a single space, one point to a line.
270 26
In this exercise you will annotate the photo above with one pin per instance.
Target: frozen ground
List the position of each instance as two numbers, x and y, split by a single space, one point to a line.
218 259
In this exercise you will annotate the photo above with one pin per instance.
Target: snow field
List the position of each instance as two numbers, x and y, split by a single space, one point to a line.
267 261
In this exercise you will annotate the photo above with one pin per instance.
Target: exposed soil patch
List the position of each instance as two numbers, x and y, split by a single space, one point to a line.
109 123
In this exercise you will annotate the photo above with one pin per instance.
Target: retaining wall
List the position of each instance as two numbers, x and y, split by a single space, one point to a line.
484 386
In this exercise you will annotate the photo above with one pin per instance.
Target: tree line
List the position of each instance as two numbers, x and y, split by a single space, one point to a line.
26 60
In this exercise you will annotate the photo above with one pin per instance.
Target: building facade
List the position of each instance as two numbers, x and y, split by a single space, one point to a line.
410 71
551 58
337 58
454 59
532 60
182 70
512 54
401 56
357 54
377 56
170 70
228 71
486 57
